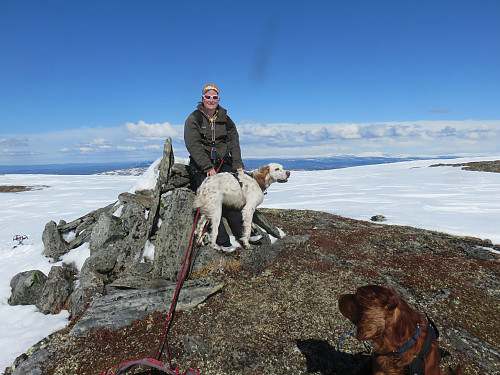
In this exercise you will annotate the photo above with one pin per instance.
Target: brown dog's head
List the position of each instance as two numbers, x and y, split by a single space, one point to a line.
384 318
378 313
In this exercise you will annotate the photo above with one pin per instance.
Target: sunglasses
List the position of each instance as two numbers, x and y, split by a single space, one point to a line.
214 97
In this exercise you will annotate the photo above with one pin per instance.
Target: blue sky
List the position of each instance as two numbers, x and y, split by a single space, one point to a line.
105 81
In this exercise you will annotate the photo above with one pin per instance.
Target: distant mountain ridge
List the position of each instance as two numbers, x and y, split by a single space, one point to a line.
71 168
314 163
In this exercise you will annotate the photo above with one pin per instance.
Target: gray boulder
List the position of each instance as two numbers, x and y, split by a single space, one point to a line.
108 229
54 244
105 244
57 289
135 224
179 177
140 199
91 284
172 237
122 307
82 227
263 222
27 287
31 362
164 169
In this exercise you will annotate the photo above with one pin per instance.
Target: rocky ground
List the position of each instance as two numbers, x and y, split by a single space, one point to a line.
483 166
20 188
285 319
282 318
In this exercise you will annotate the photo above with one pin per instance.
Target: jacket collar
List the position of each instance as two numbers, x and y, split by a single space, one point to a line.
221 112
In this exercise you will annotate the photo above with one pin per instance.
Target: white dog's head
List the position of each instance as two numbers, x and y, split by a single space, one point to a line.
267 174
278 173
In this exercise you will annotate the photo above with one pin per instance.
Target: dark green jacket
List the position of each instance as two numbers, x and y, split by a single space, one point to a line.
198 139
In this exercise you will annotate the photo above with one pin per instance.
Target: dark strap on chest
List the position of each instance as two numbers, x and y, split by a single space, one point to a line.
235 175
417 367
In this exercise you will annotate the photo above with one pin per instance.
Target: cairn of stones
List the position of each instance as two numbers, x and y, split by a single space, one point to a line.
118 282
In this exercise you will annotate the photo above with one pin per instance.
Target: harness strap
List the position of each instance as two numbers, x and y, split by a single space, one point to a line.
235 175
417 366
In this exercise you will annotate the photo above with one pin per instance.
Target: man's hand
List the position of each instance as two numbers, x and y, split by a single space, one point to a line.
211 172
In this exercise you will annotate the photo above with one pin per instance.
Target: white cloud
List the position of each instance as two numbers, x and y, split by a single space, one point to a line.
98 141
14 142
153 147
347 131
126 148
144 141
14 152
94 142
151 131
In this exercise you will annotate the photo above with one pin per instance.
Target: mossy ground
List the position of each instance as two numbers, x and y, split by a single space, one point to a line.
285 320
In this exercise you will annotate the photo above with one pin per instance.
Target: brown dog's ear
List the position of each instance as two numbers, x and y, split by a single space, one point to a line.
260 176
393 298
376 295
350 308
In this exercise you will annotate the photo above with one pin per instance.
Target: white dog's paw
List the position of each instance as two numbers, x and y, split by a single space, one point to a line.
246 245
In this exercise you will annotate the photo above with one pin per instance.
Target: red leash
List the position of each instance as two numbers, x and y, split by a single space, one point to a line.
183 274
163 344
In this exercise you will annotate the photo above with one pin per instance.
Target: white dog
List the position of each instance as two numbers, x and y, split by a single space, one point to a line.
239 191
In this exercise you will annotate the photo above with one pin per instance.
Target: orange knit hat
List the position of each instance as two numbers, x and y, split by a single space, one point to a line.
210 86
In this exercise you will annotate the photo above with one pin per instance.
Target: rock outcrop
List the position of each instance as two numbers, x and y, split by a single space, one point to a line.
278 313
119 282
27 287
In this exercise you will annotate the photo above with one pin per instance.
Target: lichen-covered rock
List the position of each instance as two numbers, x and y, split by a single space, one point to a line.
263 222
135 223
57 289
287 315
179 177
27 287
108 229
161 185
378 218
143 200
91 284
54 244
31 362
172 238
121 307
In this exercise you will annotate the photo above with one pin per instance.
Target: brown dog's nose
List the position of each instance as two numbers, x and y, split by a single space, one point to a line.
287 173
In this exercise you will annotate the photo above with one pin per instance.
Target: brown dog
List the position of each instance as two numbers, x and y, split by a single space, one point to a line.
404 340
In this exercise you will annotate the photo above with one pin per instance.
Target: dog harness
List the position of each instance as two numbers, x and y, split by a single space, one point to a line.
417 366
235 175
